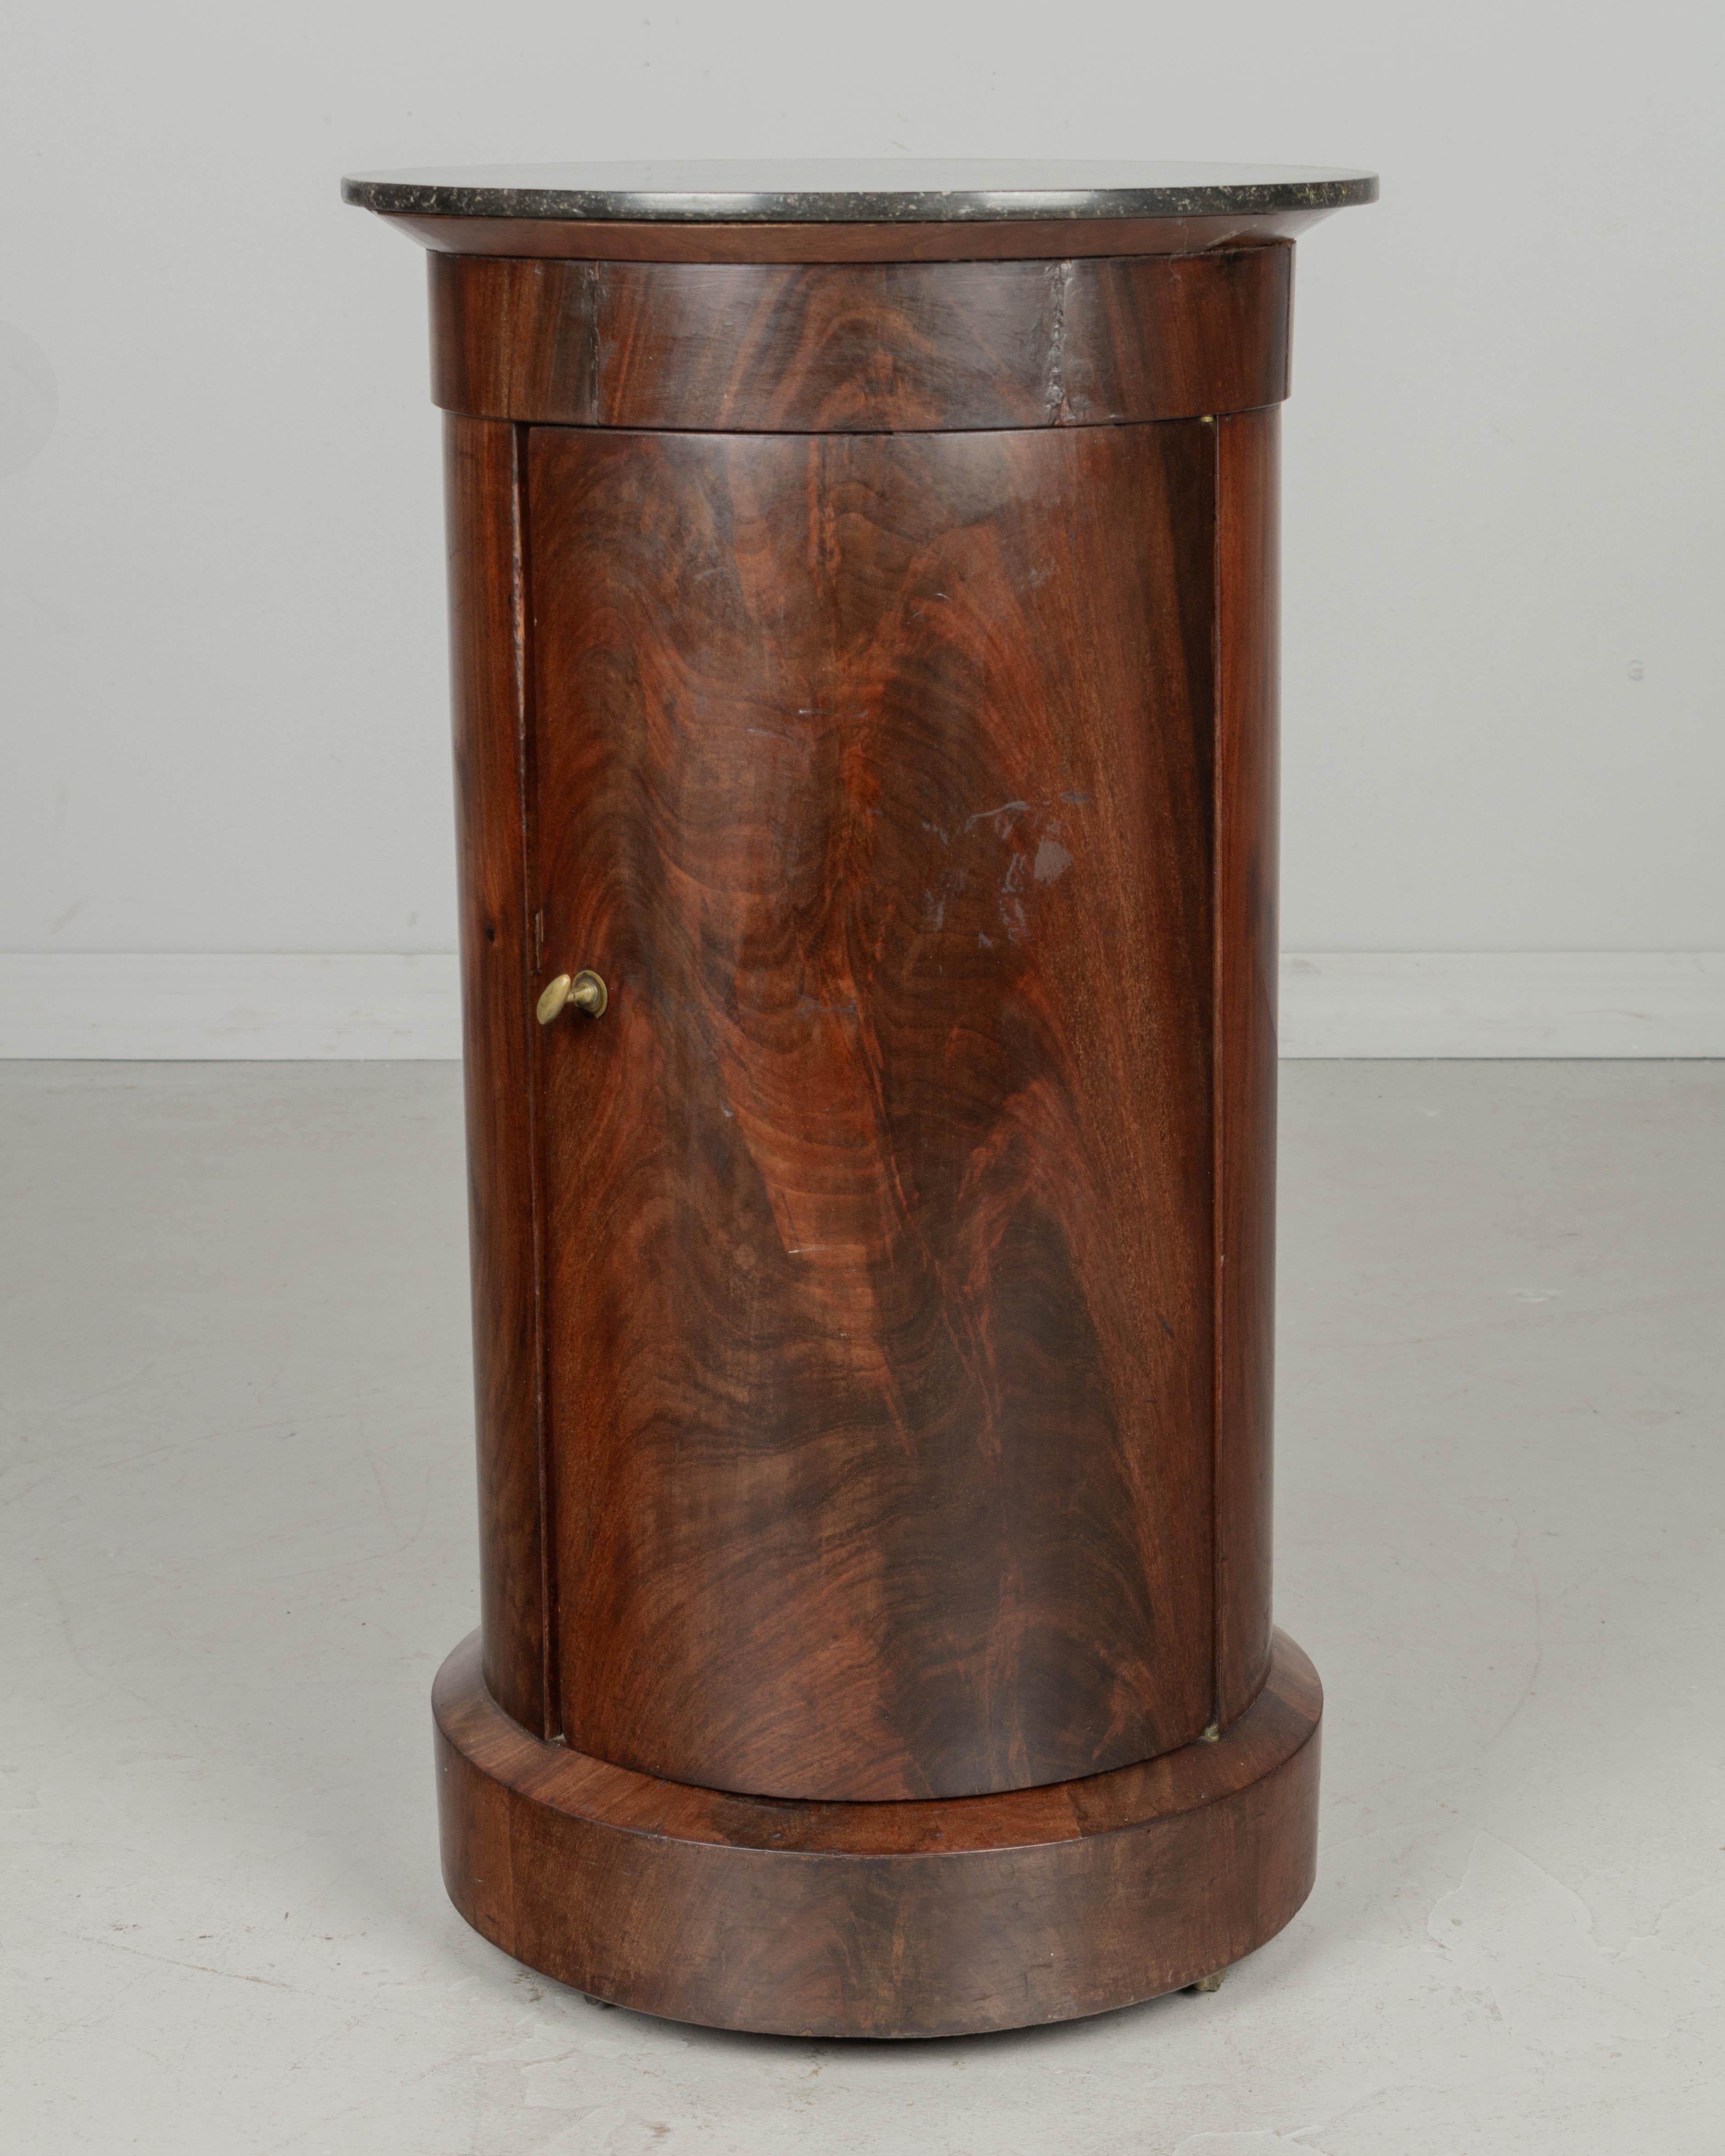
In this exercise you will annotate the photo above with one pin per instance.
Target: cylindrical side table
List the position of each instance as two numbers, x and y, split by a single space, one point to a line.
863 598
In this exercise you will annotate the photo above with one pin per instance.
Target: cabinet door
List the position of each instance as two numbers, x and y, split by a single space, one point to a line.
874 773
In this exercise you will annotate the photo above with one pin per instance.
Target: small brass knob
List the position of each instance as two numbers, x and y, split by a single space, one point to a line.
584 991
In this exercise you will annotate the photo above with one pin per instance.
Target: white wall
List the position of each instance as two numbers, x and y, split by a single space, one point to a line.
221 594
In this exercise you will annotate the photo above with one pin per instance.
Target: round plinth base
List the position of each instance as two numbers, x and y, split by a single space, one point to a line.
941 1918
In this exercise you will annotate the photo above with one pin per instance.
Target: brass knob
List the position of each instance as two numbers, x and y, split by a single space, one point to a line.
585 991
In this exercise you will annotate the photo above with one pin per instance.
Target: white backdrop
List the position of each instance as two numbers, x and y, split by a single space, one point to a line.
221 564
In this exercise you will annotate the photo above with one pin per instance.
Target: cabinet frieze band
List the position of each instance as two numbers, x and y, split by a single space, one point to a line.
880 347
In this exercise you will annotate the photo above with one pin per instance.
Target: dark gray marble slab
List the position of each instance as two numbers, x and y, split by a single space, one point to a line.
868 190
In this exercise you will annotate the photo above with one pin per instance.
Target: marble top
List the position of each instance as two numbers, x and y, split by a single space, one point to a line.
866 191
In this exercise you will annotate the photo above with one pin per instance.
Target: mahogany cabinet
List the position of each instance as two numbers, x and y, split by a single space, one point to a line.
863 624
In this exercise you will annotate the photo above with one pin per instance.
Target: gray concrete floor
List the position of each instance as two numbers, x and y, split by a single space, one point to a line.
238 1537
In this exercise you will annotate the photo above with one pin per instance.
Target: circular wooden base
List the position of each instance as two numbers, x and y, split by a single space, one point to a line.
940 1918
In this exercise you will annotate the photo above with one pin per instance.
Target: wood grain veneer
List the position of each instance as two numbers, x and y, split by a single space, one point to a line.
487 646
884 347
1247 951
879 1208
880 1920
